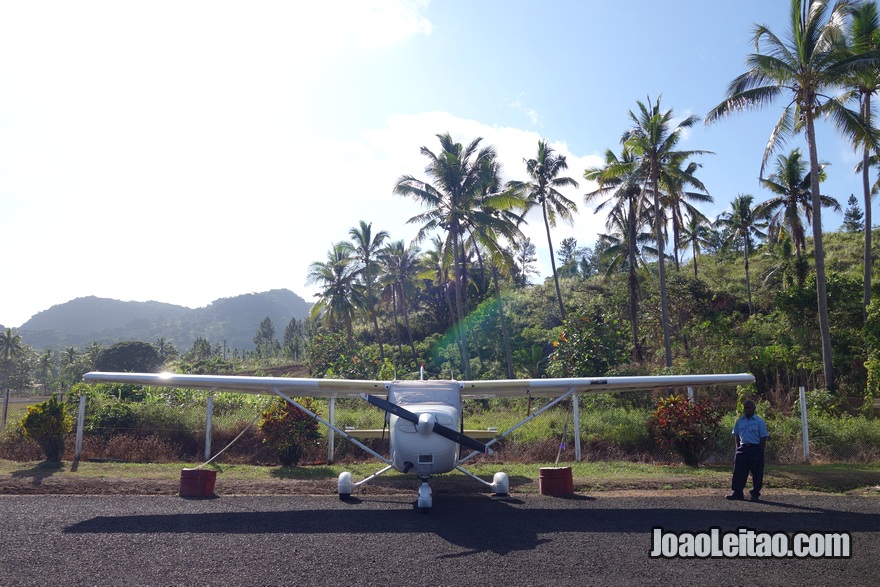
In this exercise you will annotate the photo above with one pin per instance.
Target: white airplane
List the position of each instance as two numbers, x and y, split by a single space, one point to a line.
424 416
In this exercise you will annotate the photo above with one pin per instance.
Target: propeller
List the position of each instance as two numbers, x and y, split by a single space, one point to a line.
436 427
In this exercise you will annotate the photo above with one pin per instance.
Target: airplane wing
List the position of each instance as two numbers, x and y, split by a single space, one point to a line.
242 384
330 388
559 386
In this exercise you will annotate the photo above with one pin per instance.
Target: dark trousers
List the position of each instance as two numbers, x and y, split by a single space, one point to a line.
749 458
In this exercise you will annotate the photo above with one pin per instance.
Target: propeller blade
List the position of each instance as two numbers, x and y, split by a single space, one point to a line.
461 439
440 429
389 407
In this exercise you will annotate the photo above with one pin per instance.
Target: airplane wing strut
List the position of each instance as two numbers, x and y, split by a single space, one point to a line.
522 422
342 433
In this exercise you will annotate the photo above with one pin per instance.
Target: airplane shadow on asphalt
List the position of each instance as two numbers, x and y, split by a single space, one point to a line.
479 524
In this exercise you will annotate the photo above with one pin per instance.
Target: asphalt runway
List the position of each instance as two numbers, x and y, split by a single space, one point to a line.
383 540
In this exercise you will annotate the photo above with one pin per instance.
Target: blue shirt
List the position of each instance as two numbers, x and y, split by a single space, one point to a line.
750 430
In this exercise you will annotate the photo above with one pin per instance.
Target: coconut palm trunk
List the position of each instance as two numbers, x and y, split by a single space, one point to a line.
867 262
633 280
661 265
458 253
504 334
819 253
746 251
553 266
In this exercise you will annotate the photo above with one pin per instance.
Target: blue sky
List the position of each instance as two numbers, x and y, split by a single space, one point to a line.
187 151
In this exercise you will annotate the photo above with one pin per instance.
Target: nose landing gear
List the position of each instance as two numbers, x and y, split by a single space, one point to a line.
425 500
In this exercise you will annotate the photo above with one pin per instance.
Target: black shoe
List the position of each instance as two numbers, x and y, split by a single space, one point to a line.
755 497
734 497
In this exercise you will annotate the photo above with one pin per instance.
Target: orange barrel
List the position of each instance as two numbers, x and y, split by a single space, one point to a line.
556 481
197 483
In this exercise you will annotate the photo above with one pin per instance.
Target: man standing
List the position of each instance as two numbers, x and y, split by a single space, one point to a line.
750 433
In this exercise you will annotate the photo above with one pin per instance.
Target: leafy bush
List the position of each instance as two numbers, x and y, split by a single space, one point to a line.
820 402
590 345
331 356
47 423
286 429
691 428
110 417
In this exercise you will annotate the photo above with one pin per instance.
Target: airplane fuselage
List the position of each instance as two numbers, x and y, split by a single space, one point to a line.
414 448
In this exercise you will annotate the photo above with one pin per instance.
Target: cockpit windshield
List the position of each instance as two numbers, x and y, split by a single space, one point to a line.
425 392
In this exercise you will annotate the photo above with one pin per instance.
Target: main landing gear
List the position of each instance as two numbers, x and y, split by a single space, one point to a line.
500 487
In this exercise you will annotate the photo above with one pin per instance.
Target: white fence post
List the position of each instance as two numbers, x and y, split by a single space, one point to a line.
804 428
5 408
80 423
577 428
209 416
331 435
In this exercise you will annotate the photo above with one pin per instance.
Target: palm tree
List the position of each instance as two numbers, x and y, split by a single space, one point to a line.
620 180
166 350
495 218
458 173
94 350
366 248
809 60
46 365
437 262
340 295
864 37
791 184
653 143
401 268
615 243
71 366
543 190
745 224
676 175
696 233
11 348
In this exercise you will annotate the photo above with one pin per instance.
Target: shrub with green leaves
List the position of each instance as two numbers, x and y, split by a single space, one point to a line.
590 344
286 429
47 423
689 427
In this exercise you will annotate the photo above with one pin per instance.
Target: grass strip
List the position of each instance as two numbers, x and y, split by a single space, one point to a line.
587 476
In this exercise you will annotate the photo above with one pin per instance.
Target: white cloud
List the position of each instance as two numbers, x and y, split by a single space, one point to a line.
161 152
518 104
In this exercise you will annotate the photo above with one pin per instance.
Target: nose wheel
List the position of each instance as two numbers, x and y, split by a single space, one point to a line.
425 500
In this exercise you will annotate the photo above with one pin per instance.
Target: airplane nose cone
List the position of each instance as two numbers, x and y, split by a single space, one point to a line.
426 423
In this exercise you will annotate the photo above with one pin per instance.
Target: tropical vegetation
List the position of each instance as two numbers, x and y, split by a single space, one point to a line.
763 288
